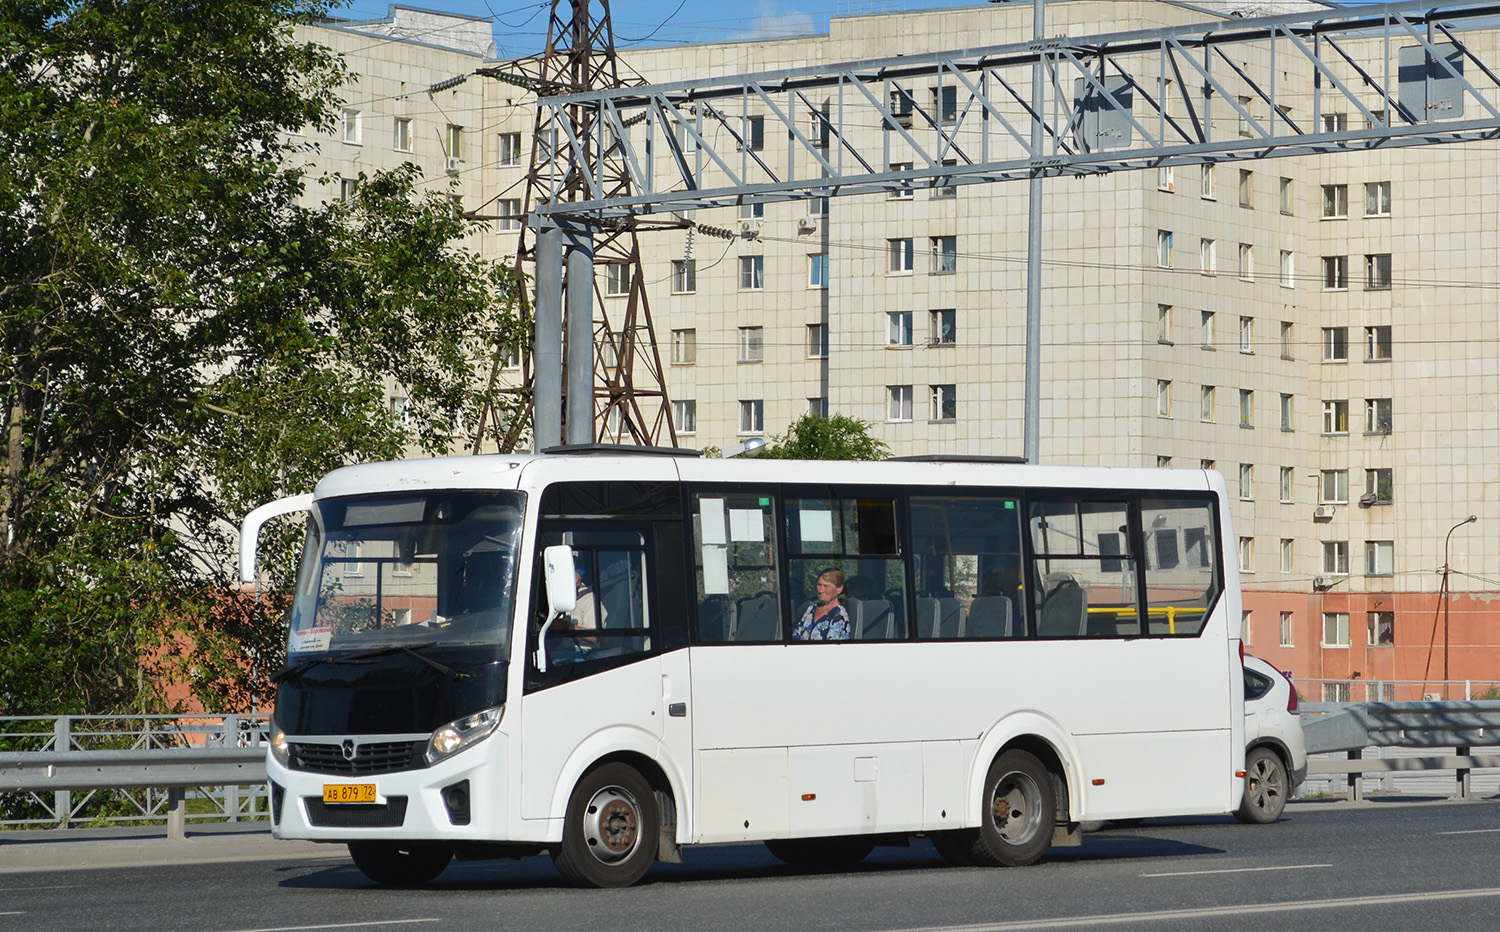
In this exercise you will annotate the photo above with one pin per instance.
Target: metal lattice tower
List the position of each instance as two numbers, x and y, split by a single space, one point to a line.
631 404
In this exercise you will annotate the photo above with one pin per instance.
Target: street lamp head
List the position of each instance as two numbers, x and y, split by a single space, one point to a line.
1471 519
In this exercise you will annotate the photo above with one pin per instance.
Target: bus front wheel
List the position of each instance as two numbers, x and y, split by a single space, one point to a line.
611 831
400 864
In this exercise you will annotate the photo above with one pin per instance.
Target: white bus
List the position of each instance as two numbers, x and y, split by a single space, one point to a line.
592 654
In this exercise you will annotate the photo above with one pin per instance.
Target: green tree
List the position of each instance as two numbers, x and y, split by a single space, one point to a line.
811 437
184 339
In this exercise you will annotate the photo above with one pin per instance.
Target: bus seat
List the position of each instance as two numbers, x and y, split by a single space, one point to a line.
872 619
756 619
950 618
715 619
989 617
1065 611
927 617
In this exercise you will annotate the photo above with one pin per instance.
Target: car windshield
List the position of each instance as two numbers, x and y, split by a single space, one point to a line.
415 571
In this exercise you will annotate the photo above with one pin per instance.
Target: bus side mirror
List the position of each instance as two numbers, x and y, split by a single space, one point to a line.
562 581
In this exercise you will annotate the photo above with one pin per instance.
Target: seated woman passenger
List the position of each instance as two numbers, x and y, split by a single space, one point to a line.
827 620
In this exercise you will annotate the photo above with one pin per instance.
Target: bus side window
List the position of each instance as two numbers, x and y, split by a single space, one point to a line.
734 565
1084 574
1183 580
612 621
967 560
857 536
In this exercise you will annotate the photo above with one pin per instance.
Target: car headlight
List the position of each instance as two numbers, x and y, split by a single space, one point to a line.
455 736
280 749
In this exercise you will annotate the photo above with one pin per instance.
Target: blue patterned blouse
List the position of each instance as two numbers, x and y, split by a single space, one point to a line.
833 626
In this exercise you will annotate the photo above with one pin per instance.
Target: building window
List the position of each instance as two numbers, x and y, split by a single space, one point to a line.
1336 634
510 217
817 407
1247 554
1335 692
1288 269
1164 249
752 417
1164 397
401 411
1205 464
347 188
1334 486
1247 334
1288 546
1380 629
1286 629
1245 627
943 327
944 254
1247 262
1164 323
1286 196
1163 462
1336 557
1286 339
1335 122
752 273
944 402
1244 109
1377 199
1377 344
945 102
898 331
617 280
817 270
752 344
453 141
817 341
1335 344
1335 273
684 347
1286 484
1206 183
753 211
901 256
1165 178
1286 411
1377 415
1206 329
402 140
900 396
1208 252
946 190
1247 482
1378 271
685 416
818 126
1335 201
753 133
1206 403
684 276
1380 558
905 192
510 149
1247 188
1379 486
351 125
1247 408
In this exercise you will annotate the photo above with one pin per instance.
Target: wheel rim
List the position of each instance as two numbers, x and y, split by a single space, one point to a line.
1265 785
1015 808
612 824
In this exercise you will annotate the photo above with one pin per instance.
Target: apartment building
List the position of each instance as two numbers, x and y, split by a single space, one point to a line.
1321 330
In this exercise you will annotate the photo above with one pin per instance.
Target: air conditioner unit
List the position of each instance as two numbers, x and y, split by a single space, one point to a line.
1432 697
749 229
453 165
1368 499
1322 512
807 224
1320 583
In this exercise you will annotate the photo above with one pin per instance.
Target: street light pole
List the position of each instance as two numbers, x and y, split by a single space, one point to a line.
1444 594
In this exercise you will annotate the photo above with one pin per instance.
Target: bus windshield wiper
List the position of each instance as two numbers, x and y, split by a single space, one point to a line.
296 670
414 649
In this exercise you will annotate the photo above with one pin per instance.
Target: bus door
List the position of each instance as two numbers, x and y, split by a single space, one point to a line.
595 676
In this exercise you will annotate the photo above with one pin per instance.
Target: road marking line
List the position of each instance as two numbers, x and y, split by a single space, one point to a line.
1472 831
1211 912
1238 870
340 925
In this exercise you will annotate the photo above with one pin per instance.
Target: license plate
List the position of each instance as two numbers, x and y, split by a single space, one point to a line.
349 793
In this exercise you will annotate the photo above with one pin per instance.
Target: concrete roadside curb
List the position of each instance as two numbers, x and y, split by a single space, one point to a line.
85 849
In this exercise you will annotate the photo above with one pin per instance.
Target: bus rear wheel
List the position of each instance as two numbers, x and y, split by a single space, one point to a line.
399 863
832 852
1017 816
611 830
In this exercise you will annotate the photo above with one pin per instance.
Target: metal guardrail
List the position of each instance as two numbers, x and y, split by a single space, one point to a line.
1352 728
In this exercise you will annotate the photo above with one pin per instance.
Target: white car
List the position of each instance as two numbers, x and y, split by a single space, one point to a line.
1275 756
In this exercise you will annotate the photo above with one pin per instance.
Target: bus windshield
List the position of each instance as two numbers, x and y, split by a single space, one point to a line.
407 571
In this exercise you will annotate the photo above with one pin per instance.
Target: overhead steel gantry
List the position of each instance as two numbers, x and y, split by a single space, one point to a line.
1236 89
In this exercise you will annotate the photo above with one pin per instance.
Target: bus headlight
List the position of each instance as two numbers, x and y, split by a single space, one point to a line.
280 750
455 736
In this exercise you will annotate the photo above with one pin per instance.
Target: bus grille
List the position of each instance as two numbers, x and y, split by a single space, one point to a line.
391 814
370 758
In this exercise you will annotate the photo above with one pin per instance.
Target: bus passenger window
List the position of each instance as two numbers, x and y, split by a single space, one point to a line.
1084 575
856 537
1183 583
735 567
967 560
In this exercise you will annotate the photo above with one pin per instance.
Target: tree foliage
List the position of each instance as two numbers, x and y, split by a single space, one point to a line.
839 437
186 336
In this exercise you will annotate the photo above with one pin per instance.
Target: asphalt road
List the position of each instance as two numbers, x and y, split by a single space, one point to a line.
1324 866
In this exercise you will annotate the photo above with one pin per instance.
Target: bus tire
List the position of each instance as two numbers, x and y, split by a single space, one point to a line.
1265 788
832 852
1018 811
611 830
400 863
957 846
